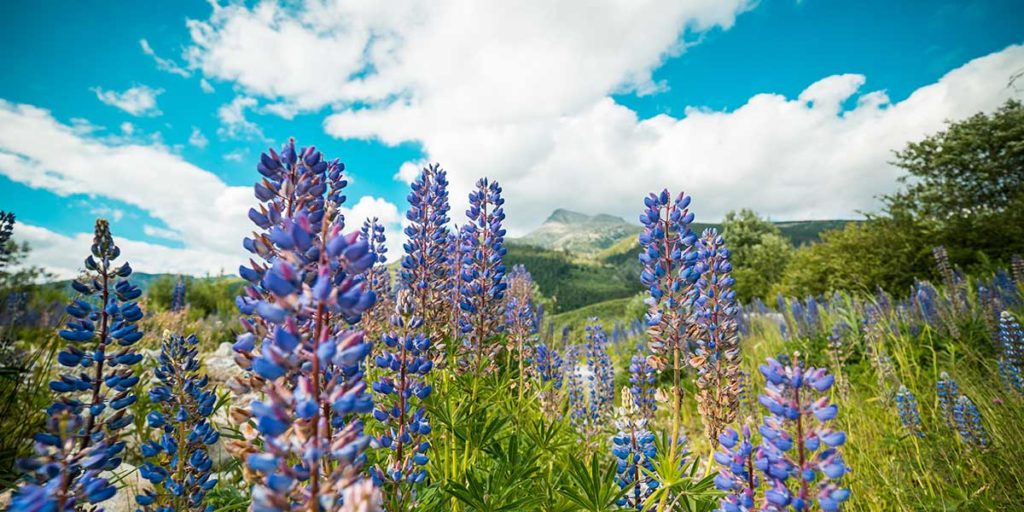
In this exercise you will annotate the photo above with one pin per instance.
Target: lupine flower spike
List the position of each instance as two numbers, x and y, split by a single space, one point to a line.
399 396
428 253
667 260
947 391
378 279
94 389
799 443
483 274
177 461
178 296
714 343
299 345
642 384
737 477
520 321
600 374
634 450
906 406
968 423
550 372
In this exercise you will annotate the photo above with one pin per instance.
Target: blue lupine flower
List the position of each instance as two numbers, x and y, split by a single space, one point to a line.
305 296
714 343
376 320
668 274
520 320
178 295
180 473
1012 340
94 386
551 372
799 443
642 381
483 274
906 406
968 423
427 256
600 377
634 450
737 477
399 395
947 391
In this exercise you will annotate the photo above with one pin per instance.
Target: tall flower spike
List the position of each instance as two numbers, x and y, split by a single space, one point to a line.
299 344
947 391
714 342
667 261
427 255
798 441
953 291
1017 268
178 462
400 393
874 339
483 274
1011 361
968 423
634 450
520 321
600 375
906 407
178 296
94 389
378 279
737 477
642 384
550 371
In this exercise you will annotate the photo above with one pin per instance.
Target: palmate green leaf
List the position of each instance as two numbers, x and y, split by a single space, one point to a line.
680 487
593 489
490 492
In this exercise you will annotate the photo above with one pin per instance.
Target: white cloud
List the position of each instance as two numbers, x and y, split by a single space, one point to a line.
209 215
206 86
157 232
197 138
139 100
235 156
234 124
368 207
127 128
522 92
63 255
163 64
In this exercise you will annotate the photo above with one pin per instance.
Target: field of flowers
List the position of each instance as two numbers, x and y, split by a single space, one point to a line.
439 385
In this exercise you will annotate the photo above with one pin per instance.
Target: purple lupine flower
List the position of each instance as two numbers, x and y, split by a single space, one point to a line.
178 462
947 391
714 343
926 299
968 423
300 346
520 320
94 389
1017 269
634 450
600 375
642 384
378 279
737 477
400 393
550 371
668 261
799 447
178 295
906 407
483 274
1012 340
427 250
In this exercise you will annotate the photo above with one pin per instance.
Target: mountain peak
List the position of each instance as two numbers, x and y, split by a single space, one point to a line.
563 216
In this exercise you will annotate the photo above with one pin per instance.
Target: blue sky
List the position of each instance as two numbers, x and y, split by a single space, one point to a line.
106 102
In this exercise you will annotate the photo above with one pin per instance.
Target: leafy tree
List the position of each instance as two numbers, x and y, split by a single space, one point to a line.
760 253
965 186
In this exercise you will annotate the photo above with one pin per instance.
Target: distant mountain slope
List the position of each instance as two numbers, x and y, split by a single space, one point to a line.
578 233
603 235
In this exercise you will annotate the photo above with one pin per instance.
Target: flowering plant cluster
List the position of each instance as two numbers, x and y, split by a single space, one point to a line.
906 406
634 451
94 389
177 461
428 258
299 344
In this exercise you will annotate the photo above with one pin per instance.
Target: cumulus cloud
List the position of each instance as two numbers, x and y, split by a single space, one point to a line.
234 123
195 206
197 139
139 100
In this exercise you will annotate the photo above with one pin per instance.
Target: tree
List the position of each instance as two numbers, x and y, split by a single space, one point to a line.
965 185
760 253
